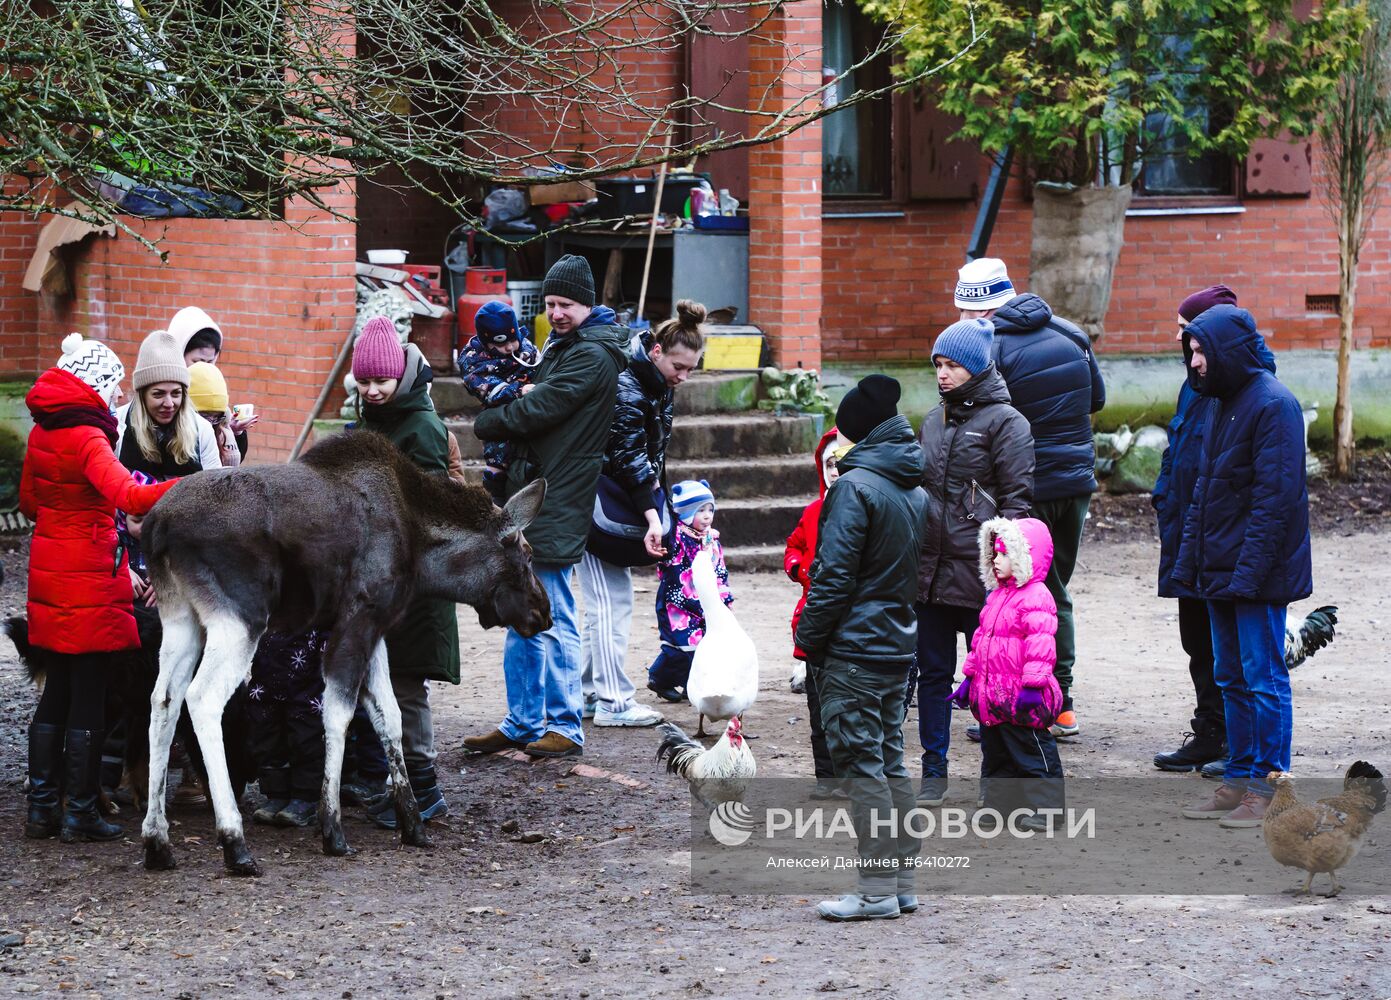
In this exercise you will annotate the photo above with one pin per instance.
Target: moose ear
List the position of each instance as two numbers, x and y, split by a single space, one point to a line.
522 509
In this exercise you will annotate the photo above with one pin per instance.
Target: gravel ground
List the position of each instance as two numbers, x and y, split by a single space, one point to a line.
601 906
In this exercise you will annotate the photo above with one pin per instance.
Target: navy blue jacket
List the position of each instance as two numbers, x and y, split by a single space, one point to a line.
1246 532
1053 380
1178 471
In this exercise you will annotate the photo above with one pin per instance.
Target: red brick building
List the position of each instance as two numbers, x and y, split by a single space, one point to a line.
858 224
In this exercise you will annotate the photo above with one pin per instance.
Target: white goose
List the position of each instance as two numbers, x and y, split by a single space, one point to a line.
724 670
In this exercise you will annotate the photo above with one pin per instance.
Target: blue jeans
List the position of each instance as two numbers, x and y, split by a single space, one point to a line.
937 628
542 673
1248 646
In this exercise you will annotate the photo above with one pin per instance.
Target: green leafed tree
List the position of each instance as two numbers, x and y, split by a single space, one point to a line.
1083 91
1355 136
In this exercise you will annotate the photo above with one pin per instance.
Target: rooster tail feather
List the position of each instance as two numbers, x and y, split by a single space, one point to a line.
678 748
17 629
1364 775
1318 628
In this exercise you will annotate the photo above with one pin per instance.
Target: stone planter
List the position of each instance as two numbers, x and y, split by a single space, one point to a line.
1077 236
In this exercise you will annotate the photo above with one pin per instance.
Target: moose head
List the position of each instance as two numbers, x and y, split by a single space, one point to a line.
488 564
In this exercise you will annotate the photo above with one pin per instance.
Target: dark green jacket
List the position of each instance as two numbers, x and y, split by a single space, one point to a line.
865 577
426 642
561 428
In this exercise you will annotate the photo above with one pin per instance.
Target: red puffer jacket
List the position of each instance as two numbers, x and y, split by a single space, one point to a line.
801 544
79 588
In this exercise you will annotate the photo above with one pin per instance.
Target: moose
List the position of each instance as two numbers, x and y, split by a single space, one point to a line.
342 540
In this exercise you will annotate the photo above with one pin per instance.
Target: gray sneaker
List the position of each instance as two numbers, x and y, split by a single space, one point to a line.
591 705
637 716
854 906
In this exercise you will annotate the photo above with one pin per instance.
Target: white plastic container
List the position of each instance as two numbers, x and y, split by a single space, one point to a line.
387 256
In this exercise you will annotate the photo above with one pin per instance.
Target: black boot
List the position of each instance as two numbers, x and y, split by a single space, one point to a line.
45 781
1216 770
427 793
275 786
81 775
1196 750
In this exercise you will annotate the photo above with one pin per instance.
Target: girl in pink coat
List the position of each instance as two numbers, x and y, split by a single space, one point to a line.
1009 683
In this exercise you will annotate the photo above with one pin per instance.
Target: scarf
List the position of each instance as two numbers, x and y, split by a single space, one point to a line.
79 416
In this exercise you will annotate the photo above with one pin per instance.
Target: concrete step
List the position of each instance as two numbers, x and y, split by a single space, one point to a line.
731 479
716 392
754 559
711 436
758 521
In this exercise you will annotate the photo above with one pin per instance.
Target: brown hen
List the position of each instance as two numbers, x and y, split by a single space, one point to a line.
1325 835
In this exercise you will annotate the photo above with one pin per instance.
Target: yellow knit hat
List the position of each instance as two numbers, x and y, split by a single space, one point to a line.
207 389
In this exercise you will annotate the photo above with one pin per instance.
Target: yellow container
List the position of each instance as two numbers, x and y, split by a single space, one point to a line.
724 352
541 330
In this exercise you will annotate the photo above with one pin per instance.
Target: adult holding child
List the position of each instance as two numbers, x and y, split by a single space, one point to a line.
635 459
562 428
978 464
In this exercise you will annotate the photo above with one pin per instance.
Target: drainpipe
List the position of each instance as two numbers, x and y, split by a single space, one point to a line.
990 205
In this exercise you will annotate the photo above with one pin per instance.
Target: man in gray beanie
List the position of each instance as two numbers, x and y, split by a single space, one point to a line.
1054 381
561 427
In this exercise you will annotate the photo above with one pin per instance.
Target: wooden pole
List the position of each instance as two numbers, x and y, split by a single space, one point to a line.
343 353
652 230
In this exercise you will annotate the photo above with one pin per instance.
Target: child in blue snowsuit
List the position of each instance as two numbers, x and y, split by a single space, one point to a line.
680 618
496 367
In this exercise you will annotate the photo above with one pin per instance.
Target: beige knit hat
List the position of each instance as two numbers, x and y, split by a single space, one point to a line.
161 359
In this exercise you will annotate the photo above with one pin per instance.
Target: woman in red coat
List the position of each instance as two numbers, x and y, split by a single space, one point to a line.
79 589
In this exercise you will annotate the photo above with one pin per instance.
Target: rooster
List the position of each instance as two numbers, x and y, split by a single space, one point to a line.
1306 636
720 774
1323 836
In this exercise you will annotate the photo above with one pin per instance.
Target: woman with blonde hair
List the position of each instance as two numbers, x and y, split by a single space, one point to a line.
161 433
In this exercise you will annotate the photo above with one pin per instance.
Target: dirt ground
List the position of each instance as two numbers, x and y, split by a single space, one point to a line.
601 906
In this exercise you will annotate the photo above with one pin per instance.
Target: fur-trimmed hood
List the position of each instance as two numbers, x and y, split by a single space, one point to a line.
1027 543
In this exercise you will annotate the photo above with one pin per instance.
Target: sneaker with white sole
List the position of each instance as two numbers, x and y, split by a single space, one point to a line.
636 717
591 706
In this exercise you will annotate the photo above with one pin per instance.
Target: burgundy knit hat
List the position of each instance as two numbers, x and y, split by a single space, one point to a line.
378 352
1200 302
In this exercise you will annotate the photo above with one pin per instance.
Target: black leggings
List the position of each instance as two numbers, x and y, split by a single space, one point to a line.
74 690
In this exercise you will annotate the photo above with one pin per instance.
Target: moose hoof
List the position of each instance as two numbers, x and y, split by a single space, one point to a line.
336 845
159 856
417 837
236 856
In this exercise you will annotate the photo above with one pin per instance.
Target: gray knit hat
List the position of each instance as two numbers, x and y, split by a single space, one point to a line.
571 278
161 359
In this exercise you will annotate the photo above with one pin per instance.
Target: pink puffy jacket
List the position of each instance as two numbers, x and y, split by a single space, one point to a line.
1011 666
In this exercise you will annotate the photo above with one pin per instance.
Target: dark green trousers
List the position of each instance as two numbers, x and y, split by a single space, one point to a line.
1065 518
862 712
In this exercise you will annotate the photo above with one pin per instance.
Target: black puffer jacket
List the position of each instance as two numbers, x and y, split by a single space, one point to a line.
1053 380
978 463
636 453
860 606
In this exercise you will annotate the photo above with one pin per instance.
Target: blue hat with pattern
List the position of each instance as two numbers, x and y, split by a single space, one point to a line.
966 342
688 496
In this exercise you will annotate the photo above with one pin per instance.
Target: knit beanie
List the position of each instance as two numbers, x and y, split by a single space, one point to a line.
688 496
207 389
570 278
1200 302
161 359
867 406
983 284
94 363
378 352
967 342
190 320
496 323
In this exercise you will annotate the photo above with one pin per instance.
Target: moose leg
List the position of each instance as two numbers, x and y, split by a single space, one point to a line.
339 704
226 664
380 701
178 655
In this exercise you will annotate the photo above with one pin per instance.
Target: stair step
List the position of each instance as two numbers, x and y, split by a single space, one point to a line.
753 559
716 392
758 521
741 478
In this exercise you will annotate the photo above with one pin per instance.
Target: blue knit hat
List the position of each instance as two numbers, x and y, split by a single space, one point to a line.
496 323
967 342
688 496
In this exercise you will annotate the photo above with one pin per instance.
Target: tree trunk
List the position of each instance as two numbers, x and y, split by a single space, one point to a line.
1344 444
1077 236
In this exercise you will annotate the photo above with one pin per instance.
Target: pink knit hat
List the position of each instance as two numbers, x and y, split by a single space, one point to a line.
378 352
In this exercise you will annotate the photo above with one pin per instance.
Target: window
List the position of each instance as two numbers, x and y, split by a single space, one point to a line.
855 142
1167 170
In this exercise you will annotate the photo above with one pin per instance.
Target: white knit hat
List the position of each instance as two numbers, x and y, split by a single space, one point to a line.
94 363
983 284
188 321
